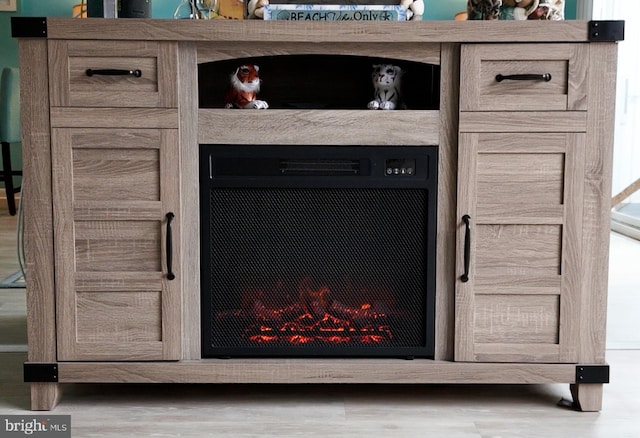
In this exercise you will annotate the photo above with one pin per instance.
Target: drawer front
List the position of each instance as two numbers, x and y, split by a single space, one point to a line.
523 77
154 86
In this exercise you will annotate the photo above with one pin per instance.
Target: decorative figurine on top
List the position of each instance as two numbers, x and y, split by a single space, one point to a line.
515 9
386 83
255 8
484 9
548 10
518 9
244 88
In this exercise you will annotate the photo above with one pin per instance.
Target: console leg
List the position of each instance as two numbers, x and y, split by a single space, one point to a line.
588 396
45 396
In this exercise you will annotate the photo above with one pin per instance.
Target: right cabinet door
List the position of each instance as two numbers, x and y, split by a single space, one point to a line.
520 185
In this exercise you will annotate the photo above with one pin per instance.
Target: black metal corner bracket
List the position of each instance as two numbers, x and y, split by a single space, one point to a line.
592 374
40 372
606 30
28 27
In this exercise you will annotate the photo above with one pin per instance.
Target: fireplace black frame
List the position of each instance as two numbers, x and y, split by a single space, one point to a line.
323 167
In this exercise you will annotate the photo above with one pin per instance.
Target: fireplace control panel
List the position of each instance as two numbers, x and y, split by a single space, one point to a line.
400 167
359 165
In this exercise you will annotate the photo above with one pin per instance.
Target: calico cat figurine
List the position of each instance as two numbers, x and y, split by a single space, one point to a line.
484 9
386 83
244 88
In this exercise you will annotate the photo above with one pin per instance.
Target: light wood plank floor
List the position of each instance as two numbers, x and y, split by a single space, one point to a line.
8 243
337 410
235 411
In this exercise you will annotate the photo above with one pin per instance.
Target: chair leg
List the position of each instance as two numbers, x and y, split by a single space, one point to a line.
7 172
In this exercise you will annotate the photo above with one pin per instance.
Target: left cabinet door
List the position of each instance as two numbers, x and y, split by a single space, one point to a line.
112 191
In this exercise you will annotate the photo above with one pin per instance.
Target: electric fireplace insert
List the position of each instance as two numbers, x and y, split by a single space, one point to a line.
318 250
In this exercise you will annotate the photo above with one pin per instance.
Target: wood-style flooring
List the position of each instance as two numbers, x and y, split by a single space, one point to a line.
235 411
8 242
362 411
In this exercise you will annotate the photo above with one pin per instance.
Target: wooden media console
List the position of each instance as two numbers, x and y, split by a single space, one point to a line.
523 165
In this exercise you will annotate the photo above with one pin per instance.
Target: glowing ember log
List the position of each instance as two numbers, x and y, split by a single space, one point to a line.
314 316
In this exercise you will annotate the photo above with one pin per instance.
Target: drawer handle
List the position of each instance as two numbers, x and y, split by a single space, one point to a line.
169 247
114 72
525 77
467 248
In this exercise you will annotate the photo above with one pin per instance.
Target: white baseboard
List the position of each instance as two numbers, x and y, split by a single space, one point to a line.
13 348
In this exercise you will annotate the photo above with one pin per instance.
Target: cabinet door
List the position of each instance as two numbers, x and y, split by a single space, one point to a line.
523 194
112 190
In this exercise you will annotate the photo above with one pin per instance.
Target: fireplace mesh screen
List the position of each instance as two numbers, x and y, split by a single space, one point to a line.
321 268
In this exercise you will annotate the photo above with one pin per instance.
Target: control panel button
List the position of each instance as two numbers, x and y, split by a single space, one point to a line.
400 167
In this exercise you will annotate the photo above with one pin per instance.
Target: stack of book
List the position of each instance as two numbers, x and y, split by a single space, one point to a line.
337 10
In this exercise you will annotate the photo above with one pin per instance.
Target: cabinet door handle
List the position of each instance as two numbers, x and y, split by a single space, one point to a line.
169 247
467 248
546 77
114 72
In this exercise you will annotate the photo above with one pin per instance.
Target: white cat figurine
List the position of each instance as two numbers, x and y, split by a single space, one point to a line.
386 83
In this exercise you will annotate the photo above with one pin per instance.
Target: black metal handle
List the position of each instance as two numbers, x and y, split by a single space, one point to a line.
169 246
467 248
114 72
524 77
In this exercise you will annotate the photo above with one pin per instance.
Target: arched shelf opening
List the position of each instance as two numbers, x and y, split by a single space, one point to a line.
320 81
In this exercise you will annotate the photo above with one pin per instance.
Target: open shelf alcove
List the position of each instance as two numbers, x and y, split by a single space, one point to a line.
320 81
302 81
